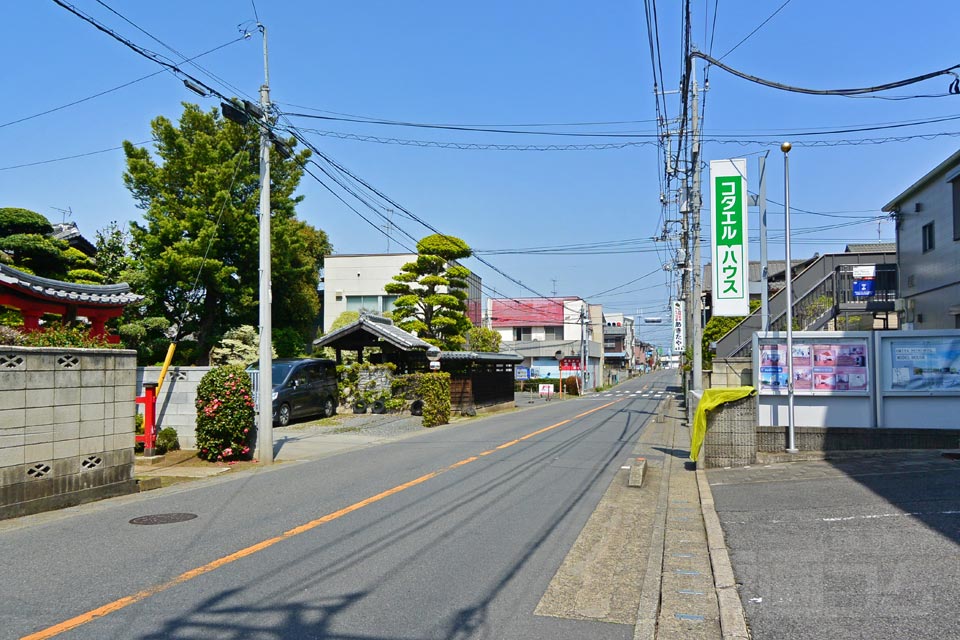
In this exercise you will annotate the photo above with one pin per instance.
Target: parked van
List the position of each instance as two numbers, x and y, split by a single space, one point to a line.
304 387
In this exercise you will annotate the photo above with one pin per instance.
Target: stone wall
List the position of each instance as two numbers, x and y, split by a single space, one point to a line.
731 438
176 402
731 372
825 439
66 427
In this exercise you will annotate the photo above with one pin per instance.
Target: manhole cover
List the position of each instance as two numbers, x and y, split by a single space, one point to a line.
164 518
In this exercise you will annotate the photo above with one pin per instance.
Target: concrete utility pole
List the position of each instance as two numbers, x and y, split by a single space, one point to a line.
696 328
265 395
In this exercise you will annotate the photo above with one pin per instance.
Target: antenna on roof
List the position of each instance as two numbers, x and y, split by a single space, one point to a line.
67 213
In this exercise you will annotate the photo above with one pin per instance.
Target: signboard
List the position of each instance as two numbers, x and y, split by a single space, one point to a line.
521 373
546 391
570 364
679 335
863 288
863 277
728 238
931 364
835 368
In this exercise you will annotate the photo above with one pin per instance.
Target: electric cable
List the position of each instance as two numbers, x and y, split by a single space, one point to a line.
822 92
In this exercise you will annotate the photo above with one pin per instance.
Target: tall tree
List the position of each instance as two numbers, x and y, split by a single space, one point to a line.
432 291
197 248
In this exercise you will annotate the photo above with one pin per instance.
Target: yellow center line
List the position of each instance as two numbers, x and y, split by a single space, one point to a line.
139 596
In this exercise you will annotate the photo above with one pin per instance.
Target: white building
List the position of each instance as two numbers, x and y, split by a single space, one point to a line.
356 283
928 248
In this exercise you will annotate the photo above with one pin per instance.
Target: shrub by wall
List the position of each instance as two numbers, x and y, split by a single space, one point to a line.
225 414
433 389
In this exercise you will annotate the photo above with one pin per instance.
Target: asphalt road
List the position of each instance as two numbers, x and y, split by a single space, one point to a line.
859 549
452 534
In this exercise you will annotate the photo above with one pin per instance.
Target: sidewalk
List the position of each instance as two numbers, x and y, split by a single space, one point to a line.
688 589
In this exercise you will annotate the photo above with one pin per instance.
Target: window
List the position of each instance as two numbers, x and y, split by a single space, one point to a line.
553 333
369 304
927 234
522 333
955 183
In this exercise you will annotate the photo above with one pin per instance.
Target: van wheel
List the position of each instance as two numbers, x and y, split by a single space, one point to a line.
328 407
283 415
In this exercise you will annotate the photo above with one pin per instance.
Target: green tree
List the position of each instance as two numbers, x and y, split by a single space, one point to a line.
112 257
200 194
716 328
25 238
432 291
484 339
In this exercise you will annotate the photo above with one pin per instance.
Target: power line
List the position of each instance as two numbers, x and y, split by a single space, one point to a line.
824 92
78 155
758 27
111 90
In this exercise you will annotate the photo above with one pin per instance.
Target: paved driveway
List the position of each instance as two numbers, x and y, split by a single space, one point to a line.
866 548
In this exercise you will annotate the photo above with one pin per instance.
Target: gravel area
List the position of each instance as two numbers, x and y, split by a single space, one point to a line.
369 424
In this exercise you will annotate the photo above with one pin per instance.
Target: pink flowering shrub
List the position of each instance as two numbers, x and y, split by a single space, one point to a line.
225 416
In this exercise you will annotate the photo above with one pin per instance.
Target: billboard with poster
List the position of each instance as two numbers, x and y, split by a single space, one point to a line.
818 367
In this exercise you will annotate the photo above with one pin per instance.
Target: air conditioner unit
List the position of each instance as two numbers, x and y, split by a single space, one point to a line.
899 304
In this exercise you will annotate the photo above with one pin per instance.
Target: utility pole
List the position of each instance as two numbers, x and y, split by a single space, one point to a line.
695 271
265 392
764 271
584 356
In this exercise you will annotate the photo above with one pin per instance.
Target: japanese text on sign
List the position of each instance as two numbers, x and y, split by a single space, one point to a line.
729 238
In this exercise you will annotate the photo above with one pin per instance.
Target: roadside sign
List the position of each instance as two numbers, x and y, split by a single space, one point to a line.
546 391
521 373
728 237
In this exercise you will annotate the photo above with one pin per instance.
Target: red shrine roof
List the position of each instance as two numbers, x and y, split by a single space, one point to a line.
107 295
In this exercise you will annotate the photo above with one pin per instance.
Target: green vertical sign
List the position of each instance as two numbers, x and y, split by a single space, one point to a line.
728 234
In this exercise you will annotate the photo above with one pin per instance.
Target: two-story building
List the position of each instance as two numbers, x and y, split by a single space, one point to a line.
541 328
356 283
928 248
618 355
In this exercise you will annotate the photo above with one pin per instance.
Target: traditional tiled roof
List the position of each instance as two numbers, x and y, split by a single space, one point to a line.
71 292
382 328
872 247
482 356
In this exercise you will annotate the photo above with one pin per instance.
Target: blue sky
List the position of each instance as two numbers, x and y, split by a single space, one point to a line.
497 63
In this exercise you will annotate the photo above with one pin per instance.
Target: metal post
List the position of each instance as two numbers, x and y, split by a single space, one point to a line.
584 357
791 440
265 397
696 314
764 274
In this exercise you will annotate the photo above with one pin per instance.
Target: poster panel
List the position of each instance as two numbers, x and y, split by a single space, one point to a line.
835 367
929 364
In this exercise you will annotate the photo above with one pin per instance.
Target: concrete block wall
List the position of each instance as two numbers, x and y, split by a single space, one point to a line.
66 426
176 402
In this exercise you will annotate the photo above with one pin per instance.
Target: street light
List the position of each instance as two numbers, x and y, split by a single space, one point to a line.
791 440
433 355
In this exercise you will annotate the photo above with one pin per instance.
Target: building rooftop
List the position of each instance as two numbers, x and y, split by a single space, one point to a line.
93 294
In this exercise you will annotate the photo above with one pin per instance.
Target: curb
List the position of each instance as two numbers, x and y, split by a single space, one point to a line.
733 623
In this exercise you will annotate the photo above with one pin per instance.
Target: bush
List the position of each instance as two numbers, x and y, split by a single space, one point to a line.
57 334
224 414
572 385
534 384
167 440
432 389
288 343
10 336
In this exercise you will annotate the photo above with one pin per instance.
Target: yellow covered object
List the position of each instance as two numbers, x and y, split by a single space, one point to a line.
712 398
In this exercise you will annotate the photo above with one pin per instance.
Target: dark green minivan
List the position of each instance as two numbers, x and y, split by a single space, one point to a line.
304 387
